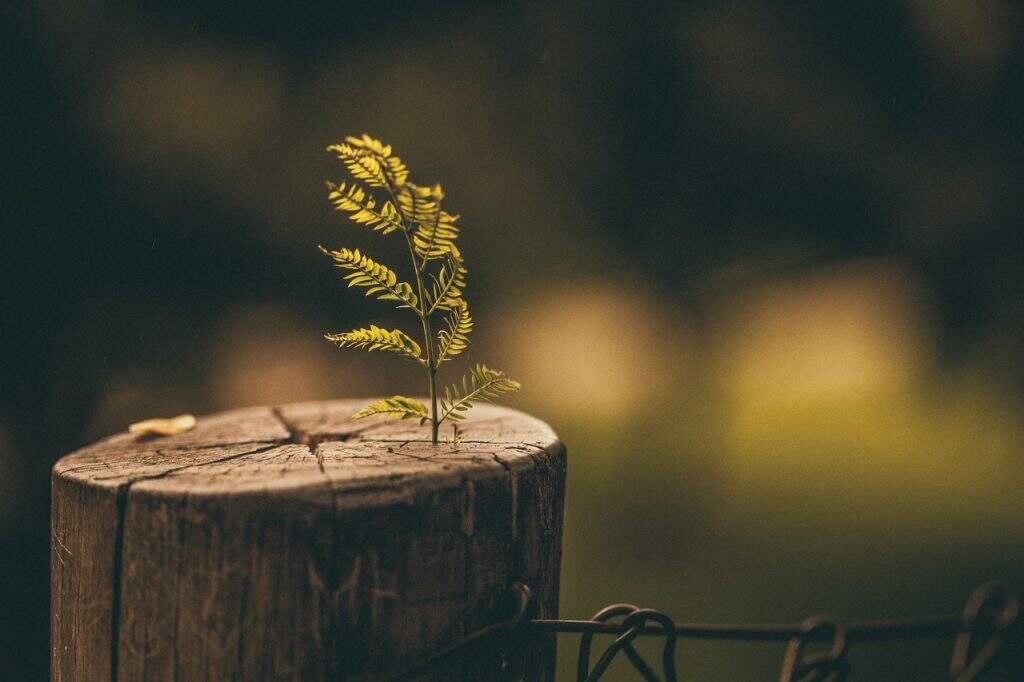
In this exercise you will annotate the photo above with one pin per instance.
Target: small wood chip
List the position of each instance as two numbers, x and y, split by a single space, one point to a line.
163 427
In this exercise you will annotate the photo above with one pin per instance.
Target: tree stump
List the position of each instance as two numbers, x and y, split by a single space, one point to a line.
294 543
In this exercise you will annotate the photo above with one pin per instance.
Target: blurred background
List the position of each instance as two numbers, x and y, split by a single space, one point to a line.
758 263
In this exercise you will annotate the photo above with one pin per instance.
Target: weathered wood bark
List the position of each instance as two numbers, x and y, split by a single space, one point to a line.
292 543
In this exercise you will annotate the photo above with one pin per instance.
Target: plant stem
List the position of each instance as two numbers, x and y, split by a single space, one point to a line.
424 315
428 342
431 375
435 423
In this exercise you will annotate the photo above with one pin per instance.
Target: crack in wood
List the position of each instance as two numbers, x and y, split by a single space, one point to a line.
192 465
122 494
115 607
302 437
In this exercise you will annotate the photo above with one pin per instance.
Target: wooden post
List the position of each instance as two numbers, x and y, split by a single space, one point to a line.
293 543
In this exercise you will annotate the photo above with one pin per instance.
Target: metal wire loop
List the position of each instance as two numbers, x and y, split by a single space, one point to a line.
982 634
989 614
523 596
823 666
602 616
633 625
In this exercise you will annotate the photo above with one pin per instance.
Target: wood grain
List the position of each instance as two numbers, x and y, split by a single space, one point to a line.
293 543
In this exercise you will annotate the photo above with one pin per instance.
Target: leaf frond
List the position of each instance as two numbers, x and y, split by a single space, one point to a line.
482 383
445 290
436 229
436 239
395 407
363 209
371 161
420 203
376 338
377 279
454 339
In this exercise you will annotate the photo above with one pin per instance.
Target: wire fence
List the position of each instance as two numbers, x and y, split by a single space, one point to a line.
986 637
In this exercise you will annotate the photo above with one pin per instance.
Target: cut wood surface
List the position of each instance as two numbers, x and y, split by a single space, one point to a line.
294 543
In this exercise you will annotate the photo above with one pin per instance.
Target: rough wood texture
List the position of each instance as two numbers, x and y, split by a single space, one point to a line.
293 543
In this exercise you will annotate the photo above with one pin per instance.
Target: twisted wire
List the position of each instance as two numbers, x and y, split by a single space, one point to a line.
982 635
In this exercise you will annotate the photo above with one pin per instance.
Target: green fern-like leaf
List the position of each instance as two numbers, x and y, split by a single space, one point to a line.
376 278
436 239
455 339
482 383
363 209
371 161
445 290
375 338
396 407
436 229
420 203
